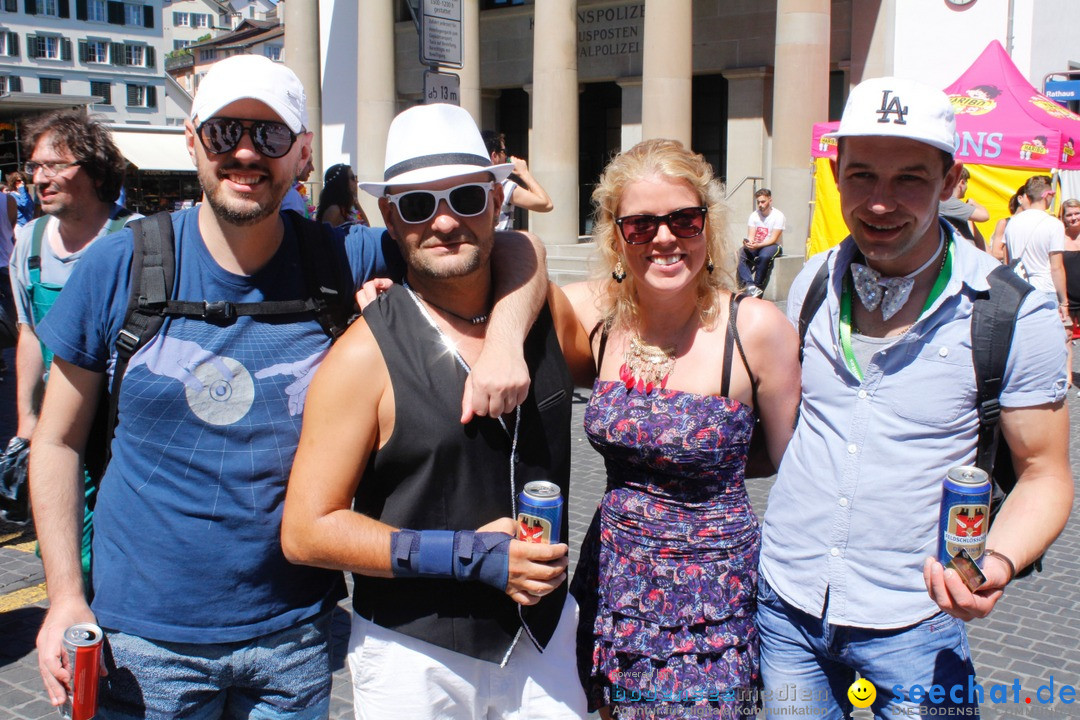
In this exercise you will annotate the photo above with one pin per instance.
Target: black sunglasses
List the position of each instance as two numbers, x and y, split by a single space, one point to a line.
683 223
419 206
271 138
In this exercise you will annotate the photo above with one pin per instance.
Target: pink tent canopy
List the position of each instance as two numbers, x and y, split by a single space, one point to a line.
1000 119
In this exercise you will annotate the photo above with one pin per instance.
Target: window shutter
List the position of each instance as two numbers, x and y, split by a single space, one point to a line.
64 8
151 96
84 51
65 49
132 95
31 46
107 93
148 16
151 60
31 7
116 54
80 10
13 44
115 12
11 5
14 84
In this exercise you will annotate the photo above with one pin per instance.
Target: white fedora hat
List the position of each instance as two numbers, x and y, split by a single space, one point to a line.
427 143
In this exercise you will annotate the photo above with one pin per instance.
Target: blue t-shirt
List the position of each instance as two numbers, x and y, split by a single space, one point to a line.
186 545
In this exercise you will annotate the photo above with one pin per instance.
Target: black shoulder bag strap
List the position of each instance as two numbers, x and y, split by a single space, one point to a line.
993 322
328 282
815 295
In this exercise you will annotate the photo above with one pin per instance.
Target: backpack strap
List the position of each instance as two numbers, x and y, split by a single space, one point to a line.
993 323
815 295
33 263
733 334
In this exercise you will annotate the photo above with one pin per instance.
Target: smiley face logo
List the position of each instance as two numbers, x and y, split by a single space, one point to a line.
862 693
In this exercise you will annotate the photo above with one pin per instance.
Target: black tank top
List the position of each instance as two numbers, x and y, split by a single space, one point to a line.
436 474
1071 258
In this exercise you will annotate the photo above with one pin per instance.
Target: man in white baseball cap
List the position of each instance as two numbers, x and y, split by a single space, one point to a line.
454 618
850 581
202 613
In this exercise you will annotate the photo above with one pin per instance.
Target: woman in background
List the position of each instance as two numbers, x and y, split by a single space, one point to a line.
1069 214
338 202
668 570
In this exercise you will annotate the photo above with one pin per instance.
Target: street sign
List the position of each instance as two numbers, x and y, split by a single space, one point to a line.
441 87
1062 90
440 33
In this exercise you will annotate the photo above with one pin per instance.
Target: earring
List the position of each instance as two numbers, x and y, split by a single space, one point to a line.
618 274
709 263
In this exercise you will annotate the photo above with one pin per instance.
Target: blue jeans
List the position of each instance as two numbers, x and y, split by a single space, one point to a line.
281 675
754 265
808 663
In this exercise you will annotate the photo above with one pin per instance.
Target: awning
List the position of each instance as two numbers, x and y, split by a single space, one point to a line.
154 149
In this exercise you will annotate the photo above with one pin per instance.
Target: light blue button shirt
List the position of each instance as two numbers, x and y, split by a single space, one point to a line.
854 510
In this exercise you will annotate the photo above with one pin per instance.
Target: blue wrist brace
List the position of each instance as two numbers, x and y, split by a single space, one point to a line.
446 554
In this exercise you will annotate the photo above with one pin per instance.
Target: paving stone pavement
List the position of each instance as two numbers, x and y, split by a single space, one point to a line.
1033 635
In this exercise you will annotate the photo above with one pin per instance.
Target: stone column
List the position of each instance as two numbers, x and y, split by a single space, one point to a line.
470 59
631 112
748 147
302 56
375 97
667 70
553 155
872 39
800 98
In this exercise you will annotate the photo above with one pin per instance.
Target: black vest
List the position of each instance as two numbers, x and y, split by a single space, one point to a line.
436 474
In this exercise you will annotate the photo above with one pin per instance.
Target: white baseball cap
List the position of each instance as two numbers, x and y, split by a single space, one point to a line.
252 77
427 143
900 108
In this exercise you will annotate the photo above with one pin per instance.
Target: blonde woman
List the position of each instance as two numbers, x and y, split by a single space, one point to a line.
668 571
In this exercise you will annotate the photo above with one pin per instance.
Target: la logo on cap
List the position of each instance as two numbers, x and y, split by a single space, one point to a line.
890 106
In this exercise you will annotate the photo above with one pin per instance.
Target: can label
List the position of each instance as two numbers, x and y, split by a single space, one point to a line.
965 514
82 646
540 512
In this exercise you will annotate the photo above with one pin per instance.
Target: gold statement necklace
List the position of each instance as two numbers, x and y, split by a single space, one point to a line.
646 366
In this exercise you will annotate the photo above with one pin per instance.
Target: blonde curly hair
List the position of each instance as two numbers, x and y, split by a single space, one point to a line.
671 160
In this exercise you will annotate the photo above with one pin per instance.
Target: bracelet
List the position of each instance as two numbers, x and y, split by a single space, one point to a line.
1005 559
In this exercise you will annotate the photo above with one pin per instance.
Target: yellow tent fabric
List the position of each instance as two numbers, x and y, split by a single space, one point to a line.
990 186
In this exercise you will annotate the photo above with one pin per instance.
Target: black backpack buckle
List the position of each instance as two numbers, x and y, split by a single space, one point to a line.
989 411
219 311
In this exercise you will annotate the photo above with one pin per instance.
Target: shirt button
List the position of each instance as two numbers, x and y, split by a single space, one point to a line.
852 448
843 502
835 552
862 394
943 352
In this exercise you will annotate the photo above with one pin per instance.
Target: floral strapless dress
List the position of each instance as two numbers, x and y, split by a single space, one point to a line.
668 570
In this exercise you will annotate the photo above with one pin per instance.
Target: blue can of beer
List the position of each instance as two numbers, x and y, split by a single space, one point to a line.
540 508
965 514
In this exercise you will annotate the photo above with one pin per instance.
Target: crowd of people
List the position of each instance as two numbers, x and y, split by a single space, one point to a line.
257 448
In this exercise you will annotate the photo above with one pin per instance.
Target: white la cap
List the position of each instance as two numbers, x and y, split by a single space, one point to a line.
254 77
900 108
427 143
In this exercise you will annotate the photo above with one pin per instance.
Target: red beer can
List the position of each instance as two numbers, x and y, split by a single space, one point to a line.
82 644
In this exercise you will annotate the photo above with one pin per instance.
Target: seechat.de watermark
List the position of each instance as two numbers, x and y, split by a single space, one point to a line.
940 700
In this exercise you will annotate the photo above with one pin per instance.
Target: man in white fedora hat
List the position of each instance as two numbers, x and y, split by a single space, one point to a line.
202 613
849 578
454 618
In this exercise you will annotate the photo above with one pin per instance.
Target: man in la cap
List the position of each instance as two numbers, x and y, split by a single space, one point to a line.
203 615
453 618
847 582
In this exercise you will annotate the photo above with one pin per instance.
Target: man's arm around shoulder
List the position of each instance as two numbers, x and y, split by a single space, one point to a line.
57 496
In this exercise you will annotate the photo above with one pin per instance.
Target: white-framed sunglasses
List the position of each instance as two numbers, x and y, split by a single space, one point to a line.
419 206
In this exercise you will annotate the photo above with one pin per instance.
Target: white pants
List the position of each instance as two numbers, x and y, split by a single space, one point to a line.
395 676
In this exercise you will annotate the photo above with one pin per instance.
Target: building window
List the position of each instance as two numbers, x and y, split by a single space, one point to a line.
133 15
48 47
102 90
9 44
273 52
49 86
141 96
181 19
208 55
48 7
180 44
200 20
97 51
95 11
134 55
10 83
11 5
